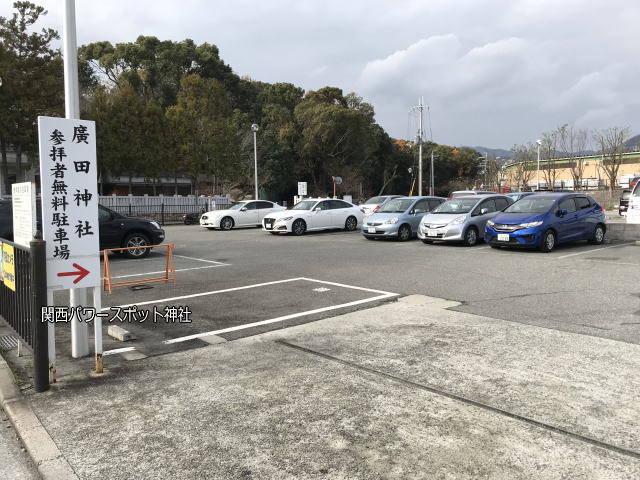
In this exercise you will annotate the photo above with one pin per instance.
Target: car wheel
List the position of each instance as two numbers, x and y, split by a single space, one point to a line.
133 243
404 233
548 241
298 227
351 224
470 237
226 223
428 242
598 235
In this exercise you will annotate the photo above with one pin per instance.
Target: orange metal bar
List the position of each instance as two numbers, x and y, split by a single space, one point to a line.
108 284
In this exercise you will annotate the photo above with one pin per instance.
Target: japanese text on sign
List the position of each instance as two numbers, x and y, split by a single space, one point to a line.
69 202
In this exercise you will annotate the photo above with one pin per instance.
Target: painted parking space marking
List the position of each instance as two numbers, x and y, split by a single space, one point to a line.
177 270
379 295
280 319
593 250
118 350
200 259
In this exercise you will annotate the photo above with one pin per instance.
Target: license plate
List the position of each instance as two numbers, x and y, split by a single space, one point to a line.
503 237
268 226
371 230
432 233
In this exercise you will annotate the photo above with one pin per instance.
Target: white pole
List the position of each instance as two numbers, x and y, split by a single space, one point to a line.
538 170
255 160
97 328
420 150
51 342
77 296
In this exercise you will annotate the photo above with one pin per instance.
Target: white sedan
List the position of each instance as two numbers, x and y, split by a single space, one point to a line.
248 213
314 214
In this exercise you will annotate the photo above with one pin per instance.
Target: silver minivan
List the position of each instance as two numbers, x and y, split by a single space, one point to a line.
461 219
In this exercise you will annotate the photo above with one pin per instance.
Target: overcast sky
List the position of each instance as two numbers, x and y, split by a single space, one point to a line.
494 72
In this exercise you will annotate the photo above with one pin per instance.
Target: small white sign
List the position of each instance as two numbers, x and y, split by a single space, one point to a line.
23 199
69 192
302 189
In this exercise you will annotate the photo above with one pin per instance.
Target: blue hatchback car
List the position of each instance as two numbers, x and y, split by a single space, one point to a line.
544 220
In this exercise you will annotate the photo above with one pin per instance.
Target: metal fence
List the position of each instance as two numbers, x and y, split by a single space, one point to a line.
21 306
163 209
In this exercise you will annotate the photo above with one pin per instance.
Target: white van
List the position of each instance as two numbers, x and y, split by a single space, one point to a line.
633 210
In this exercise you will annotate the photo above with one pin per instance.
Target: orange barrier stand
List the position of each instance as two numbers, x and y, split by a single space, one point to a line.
169 272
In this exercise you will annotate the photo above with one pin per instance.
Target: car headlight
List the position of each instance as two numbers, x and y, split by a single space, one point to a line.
490 223
285 219
458 221
391 221
156 225
531 224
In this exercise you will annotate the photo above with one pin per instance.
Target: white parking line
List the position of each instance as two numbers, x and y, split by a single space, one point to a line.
593 250
202 294
280 319
200 260
163 271
118 350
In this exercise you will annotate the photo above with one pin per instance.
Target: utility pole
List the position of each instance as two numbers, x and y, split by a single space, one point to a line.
419 108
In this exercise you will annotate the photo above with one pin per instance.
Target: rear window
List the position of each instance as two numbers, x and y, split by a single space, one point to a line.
375 200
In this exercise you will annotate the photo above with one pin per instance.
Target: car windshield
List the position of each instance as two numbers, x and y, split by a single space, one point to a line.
375 200
237 206
304 205
398 205
459 205
530 204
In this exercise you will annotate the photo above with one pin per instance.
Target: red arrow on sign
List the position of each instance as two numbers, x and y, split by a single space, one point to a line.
80 272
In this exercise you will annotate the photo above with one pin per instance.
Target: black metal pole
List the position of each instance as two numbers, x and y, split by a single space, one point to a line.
162 214
39 300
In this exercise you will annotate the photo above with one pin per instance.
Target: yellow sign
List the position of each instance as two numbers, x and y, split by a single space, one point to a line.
9 266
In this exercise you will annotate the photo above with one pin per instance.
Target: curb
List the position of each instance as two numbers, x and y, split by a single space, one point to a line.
45 454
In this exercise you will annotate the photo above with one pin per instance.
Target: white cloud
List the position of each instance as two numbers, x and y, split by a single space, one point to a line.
494 72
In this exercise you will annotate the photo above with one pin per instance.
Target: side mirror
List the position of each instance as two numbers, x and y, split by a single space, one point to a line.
243 209
317 209
412 212
562 212
483 211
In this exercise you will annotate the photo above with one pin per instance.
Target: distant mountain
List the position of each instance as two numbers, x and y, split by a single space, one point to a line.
633 144
494 152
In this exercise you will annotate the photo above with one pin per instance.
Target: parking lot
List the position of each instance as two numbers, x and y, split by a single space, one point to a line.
242 282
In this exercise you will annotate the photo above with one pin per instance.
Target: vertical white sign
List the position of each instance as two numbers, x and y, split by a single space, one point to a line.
302 189
23 199
69 192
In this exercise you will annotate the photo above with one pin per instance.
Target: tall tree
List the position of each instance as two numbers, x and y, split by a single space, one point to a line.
611 146
202 129
549 149
524 157
573 144
32 81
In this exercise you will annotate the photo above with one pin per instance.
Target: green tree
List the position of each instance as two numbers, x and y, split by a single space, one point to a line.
32 82
202 130
155 68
